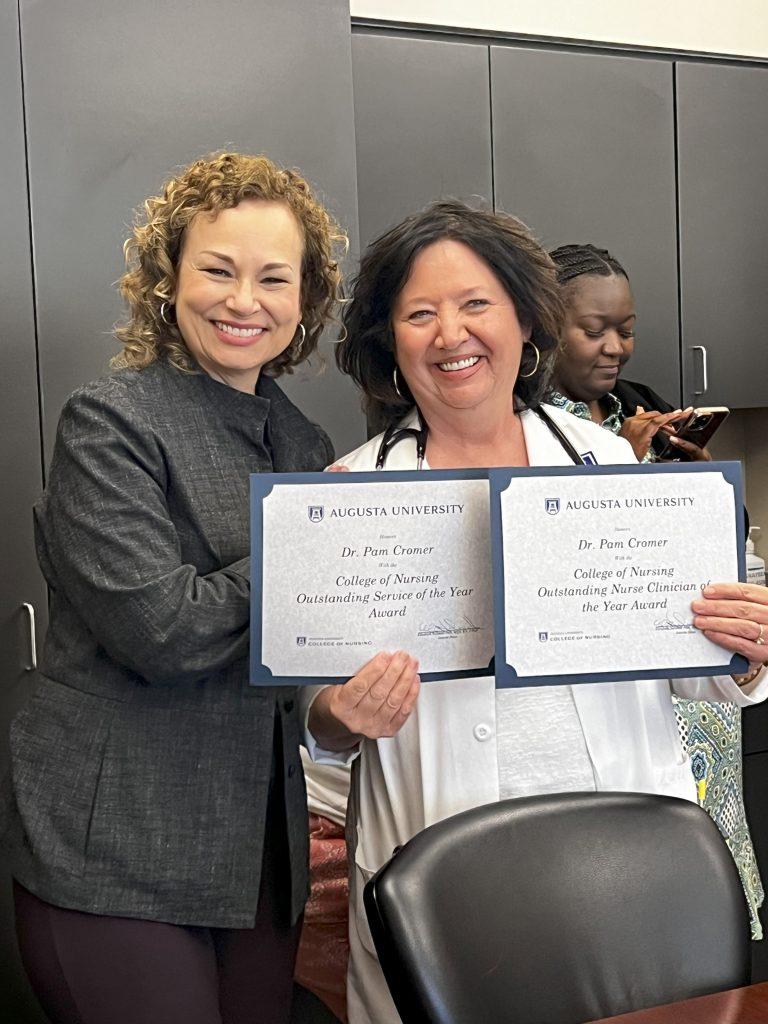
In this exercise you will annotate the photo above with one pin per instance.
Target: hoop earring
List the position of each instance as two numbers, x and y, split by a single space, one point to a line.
299 345
394 382
536 364
165 308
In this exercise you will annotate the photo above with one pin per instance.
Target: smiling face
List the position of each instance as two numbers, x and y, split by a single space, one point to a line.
599 336
238 289
458 340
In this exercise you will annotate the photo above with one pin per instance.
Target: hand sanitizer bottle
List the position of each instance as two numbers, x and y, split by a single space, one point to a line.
755 564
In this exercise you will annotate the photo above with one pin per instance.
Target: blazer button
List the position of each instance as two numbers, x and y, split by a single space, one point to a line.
481 731
288 706
291 770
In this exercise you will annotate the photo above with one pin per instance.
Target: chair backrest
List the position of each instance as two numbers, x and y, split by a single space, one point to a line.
559 909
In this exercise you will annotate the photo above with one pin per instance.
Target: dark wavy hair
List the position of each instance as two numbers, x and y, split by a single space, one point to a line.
367 351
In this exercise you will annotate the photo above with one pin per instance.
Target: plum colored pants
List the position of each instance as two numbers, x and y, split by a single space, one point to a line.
94 969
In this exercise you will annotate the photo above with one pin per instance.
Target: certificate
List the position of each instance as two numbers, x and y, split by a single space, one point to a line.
595 568
345 565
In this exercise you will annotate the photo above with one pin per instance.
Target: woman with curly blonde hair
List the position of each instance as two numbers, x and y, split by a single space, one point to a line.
155 813
152 254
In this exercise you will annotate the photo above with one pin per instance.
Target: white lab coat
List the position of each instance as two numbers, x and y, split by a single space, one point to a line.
444 759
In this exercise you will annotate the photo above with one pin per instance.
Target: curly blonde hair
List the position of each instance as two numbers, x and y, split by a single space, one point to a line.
209 185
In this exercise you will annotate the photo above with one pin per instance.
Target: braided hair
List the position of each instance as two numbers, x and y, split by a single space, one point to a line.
572 261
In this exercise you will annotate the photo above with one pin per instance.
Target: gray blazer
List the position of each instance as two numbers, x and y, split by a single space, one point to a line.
141 766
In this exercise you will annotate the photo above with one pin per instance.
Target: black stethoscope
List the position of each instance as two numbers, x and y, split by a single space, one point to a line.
393 435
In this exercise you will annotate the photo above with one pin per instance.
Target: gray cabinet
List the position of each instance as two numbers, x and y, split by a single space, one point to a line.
755 775
117 96
21 588
583 151
423 126
581 147
755 726
723 154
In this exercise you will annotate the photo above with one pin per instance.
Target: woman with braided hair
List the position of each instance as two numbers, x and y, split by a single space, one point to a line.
598 340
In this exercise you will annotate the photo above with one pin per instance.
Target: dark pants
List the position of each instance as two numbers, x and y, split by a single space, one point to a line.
93 969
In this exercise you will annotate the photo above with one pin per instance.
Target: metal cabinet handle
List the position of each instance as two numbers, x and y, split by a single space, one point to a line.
704 383
32 660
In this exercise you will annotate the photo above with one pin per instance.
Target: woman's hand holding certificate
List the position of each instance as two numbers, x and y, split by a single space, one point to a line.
374 704
735 616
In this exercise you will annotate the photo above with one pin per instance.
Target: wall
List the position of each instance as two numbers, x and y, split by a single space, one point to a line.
709 26
744 436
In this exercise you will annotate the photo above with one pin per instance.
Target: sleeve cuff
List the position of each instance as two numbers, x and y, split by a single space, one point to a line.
756 690
723 688
307 697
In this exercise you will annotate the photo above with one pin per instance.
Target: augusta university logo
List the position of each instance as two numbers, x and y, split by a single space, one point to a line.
315 513
552 506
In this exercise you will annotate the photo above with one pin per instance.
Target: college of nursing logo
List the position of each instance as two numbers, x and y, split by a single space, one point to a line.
315 513
301 641
552 506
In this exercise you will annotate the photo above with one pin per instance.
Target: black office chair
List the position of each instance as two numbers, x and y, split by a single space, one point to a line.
558 910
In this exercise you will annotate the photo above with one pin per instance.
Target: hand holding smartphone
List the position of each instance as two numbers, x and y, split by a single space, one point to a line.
697 428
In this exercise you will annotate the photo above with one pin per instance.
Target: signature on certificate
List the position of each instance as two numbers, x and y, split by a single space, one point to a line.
676 622
447 627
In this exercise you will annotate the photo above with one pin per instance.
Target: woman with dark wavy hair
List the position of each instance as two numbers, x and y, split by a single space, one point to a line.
155 813
451 328
523 271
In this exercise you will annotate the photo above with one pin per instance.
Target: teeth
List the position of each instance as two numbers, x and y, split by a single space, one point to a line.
239 332
460 364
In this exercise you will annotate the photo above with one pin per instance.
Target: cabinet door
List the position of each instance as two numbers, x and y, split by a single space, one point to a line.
755 726
722 117
755 787
583 150
21 586
422 125
118 96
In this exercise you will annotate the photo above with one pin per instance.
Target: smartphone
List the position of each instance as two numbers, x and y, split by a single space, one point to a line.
698 427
